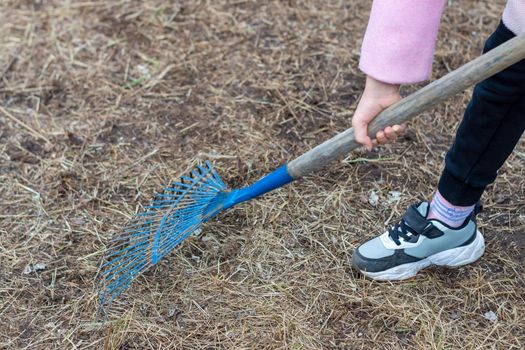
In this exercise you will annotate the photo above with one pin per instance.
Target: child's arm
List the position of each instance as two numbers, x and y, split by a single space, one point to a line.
398 48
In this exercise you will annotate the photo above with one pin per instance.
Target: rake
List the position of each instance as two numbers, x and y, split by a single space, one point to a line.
184 206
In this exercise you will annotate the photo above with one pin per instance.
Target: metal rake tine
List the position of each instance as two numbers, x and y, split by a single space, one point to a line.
130 236
134 235
197 192
195 174
168 220
153 216
157 234
182 189
117 259
131 269
134 229
130 266
112 288
129 255
186 230
216 182
169 245
190 209
184 215
118 255
165 246
203 170
191 180
169 227
121 241
217 179
165 249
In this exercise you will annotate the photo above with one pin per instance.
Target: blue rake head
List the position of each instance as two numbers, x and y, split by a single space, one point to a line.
173 215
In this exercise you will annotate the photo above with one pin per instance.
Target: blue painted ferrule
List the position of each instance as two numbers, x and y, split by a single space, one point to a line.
275 179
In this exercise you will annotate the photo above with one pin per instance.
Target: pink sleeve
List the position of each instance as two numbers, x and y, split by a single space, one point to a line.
399 42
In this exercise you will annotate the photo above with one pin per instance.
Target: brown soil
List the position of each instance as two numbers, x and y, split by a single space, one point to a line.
103 102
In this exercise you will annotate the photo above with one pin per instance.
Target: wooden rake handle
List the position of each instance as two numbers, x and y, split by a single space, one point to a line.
436 92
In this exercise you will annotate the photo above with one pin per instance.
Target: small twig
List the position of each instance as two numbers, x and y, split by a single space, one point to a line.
24 125
215 156
348 113
182 131
368 160
9 65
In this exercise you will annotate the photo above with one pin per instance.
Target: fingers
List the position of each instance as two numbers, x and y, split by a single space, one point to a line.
381 137
399 129
389 134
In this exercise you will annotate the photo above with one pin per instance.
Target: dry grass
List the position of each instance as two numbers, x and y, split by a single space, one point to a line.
103 102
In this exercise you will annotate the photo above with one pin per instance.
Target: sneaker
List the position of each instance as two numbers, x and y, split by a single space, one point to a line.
416 243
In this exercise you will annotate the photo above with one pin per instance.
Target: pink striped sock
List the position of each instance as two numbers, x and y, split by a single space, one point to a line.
446 212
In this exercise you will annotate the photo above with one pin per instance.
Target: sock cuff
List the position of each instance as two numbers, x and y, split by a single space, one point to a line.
448 213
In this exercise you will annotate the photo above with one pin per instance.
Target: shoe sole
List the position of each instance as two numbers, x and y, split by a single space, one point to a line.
449 258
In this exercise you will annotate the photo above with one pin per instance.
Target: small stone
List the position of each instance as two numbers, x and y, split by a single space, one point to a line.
491 316
34 268
39 266
144 71
173 312
78 221
197 232
394 196
373 199
231 334
195 258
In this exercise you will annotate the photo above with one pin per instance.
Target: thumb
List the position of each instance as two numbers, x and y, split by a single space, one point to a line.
361 133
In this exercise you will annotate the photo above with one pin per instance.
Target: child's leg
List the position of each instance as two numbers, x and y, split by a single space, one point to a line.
492 125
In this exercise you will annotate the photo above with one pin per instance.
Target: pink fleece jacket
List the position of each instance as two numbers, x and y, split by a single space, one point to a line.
399 42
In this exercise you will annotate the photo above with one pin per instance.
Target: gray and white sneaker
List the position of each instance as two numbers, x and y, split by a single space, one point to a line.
416 243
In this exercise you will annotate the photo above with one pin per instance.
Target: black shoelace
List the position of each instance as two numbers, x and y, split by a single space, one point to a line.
401 229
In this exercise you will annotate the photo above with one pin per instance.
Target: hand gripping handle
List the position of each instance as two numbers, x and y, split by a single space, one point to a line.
436 92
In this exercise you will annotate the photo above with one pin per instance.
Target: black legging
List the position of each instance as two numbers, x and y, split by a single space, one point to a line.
491 127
